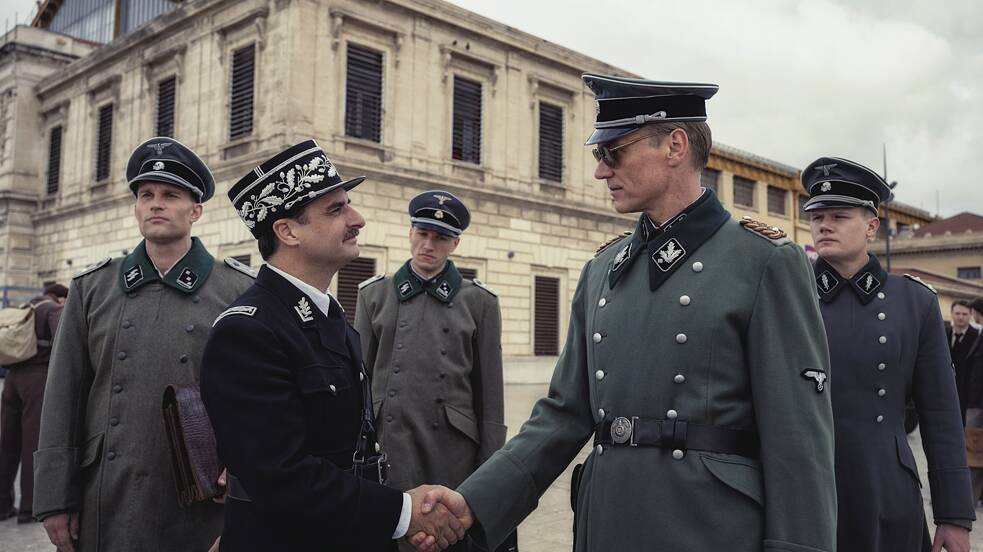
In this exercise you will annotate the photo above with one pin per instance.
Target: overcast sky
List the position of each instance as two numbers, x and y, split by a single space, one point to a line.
798 78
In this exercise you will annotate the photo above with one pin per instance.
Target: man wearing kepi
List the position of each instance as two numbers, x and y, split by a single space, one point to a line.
131 326
432 344
284 384
886 343
694 360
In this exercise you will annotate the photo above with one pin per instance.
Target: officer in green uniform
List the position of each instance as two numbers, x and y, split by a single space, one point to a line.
694 362
130 327
431 341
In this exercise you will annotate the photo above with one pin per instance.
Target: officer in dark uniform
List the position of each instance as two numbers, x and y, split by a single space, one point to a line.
132 326
886 343
284 384
684 363
441 415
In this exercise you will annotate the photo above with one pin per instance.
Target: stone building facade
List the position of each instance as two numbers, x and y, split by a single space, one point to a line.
455 101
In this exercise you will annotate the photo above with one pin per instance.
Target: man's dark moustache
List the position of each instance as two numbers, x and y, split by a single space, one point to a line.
351 234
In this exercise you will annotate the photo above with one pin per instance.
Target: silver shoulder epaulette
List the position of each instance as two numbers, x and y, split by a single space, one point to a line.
482 285
919 280
93 267
372 280
241 267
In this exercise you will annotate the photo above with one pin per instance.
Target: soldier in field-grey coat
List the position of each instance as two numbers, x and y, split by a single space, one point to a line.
131 326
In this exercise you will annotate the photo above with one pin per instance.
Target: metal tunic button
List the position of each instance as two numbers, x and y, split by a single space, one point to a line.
183 358
114 421
435 425
596 337
679 378
681 338
334 390
880 418
882 339
880 294
600 412
395 369
189 328
126 324
378 447
697 266
195 299
881 316
121 355
389 418
399 346
599 375
117 388
678 454
881 366
602 302
881 392
684 300
361 376
392 393
671 414
111 455
600 450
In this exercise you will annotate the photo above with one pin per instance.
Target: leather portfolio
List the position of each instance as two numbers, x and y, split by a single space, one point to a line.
192 442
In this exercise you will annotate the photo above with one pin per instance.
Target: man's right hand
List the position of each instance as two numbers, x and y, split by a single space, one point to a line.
438 498
439 526
63 530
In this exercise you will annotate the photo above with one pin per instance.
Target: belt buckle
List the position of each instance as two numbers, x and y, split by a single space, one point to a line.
623 430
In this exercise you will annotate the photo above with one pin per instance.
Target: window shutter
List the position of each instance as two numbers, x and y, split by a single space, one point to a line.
546 337
776 200
363 94
166 90
349 277
550 142
466 135
468 273
743 192
54 160
709 179
241 92
104 142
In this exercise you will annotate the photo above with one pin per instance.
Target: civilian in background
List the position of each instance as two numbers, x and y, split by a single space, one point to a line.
964 348
20 407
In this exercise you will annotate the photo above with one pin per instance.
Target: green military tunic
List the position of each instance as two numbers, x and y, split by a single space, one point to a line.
125 334
435 356
701 321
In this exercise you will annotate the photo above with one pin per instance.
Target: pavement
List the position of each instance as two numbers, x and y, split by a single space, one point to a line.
548 529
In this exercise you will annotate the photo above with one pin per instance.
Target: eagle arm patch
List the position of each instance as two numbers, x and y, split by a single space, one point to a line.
93 267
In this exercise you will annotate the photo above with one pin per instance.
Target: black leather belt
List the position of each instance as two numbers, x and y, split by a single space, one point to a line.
676 434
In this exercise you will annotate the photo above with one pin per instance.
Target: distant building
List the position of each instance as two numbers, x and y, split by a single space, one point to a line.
415 94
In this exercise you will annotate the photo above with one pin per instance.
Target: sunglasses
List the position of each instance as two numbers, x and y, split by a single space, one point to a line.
606 154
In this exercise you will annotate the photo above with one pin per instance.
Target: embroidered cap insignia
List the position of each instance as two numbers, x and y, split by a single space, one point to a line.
826 186
441 199
303 309
159 166
159 147
438 215
826 169
817 376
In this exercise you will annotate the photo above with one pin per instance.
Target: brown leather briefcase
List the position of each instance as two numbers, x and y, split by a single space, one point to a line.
192 443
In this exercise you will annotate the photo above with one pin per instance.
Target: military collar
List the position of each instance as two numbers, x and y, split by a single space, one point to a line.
865 283
187 275
442 287
667 246
331 326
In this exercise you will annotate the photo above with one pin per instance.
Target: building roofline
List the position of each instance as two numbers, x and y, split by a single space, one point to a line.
942 280
736 154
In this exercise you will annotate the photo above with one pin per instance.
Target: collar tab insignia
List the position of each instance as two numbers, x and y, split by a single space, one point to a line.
133 277
668 255
303 309
187 279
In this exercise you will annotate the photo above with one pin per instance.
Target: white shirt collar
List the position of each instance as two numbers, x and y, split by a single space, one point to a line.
322 299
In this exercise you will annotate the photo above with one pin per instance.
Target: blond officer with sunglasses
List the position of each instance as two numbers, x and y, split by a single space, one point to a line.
695 363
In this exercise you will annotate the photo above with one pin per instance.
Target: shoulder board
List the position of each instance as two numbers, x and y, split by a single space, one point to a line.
236 265
372 280
243 310
611 242
93 267
773 234
919 280
482 285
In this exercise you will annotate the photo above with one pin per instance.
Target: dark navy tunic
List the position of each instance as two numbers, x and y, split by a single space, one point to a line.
886 344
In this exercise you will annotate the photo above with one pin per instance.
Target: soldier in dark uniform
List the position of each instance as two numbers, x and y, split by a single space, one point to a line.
284 384
886 343
441 415
695 361
132 326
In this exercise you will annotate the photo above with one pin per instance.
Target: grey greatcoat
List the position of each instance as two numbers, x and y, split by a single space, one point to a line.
125 335
436 366
705 322
887 344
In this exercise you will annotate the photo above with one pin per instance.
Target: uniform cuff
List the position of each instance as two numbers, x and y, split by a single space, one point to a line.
404 517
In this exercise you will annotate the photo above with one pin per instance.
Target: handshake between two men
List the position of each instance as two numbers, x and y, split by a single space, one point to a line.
439 519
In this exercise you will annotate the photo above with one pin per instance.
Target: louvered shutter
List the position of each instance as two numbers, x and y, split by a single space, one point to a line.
776 200
166 91
546 337
54 160
241 92
104 142
363 94
466 135
349 277
550 142
468 273
743 192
